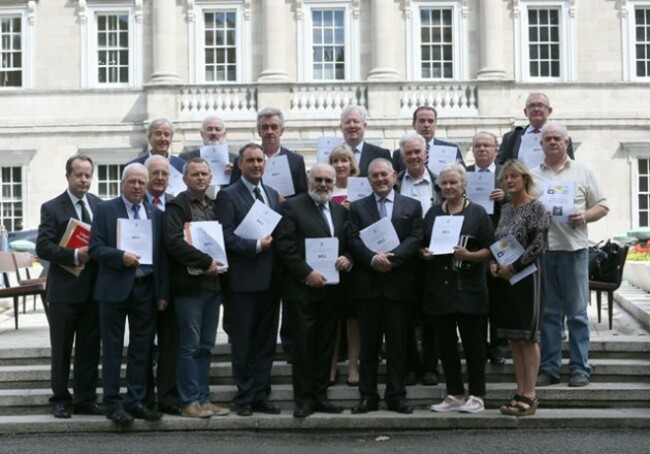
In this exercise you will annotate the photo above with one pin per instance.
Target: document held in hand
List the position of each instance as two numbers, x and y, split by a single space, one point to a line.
176 184
440 156
136 236
558 198
506 251
259 222
445 234
277 174
479 187
76 235
358 188
217 157
207 237
324 146
321 255
380 236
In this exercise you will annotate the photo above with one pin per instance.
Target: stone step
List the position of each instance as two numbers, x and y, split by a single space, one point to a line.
596 395
605 419
603 370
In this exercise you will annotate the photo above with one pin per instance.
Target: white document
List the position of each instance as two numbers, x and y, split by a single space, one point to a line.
258 222
424 200
439 156
321 255
558 198
136 236
358 188
277 174
479 187
217 157
530 150
207 237
380 236
176 184
324 147
445 234
506 251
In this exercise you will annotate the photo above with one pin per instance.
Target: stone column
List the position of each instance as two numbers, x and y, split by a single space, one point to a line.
164 43
274 56
491 43
383 44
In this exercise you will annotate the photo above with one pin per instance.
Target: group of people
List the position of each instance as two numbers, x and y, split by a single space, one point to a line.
172 302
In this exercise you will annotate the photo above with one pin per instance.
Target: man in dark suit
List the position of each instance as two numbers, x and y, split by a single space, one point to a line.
73 314
313 308
425 119
418 182
160 134
127 288
253 286
537 110
353 126
384 286
484 148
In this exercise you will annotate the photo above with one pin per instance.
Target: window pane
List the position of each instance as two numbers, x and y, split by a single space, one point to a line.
544 42
437 47
328 44
112 48
642 34
220 46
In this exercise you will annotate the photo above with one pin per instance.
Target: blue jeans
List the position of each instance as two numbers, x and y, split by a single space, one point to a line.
566 293
197 315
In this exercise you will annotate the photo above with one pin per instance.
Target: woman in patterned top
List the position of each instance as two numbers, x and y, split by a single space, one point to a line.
519 305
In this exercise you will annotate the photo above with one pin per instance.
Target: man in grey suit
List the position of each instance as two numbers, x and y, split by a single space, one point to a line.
73 314
354 121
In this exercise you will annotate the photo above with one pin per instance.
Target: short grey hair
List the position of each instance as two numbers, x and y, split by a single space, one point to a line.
321 165
157 123
196 160
454 167
554 125
151 160
363 113
375 162
269 112
211 118
134 166
411 137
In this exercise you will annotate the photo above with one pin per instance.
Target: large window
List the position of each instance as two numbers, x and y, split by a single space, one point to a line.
220 46
112 48
545 41
108 180
436 43
11 58
643 197
635 16
11 202
328 44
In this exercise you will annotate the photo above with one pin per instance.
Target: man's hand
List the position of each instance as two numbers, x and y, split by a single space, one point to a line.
382 263
497 195
342 263
82 255
265 242
214 268
315 279
228 169
162 305
426 253
504 273
130 260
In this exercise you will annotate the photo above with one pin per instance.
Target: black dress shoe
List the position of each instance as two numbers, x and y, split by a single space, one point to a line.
399 406
429 379
59 411
411 379
169 409
325 406
141 412
266 407
121 418
365 406
89 408
302 411
244 410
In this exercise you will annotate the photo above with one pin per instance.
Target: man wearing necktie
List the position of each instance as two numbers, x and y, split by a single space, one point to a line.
313 300
73 314
384 285
126 289
353 126
537 110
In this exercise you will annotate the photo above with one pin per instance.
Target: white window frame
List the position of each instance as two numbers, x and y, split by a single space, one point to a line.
108 156
628 38
460 41
567 39
305 40
196 40
20 158
89 67
28 38
635 150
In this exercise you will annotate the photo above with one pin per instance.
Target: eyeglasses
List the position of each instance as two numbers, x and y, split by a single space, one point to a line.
537 105
321 180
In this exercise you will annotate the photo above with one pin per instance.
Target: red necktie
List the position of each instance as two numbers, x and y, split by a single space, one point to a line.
156 201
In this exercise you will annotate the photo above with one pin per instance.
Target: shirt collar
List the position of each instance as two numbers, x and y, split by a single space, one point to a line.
426 176
390 197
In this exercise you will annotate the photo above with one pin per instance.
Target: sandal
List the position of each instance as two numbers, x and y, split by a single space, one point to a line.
520 410
506 408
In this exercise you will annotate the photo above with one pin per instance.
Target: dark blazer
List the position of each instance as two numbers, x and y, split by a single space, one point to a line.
296 166
114 280
369 153
511 141
399 283
494 217
62 286
248 270
177 162
399 165
437 191
301 219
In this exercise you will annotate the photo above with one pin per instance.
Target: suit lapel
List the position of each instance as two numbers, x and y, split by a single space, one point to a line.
68 208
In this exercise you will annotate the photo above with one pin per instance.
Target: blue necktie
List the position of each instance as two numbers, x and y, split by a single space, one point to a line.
136 211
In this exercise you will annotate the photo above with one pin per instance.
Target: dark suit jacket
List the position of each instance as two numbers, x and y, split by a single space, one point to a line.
301 219
114 280
511 141
62 286
437 191
399 165
248 270
369 153
400 282
296 166
494 217
177 162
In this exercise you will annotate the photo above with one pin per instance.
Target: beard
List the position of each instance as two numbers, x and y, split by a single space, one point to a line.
320 197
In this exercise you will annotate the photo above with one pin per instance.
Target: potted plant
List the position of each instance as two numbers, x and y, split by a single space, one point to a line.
637 266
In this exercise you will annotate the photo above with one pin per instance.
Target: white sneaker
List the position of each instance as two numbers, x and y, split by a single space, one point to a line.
473 405
451 403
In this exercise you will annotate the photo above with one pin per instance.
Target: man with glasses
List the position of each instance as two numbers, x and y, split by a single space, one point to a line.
518 142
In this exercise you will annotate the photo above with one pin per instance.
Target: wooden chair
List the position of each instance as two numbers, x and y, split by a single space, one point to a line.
610 287
8 268
24 261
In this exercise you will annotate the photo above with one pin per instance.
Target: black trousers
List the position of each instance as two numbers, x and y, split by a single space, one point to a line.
167 352
76 324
